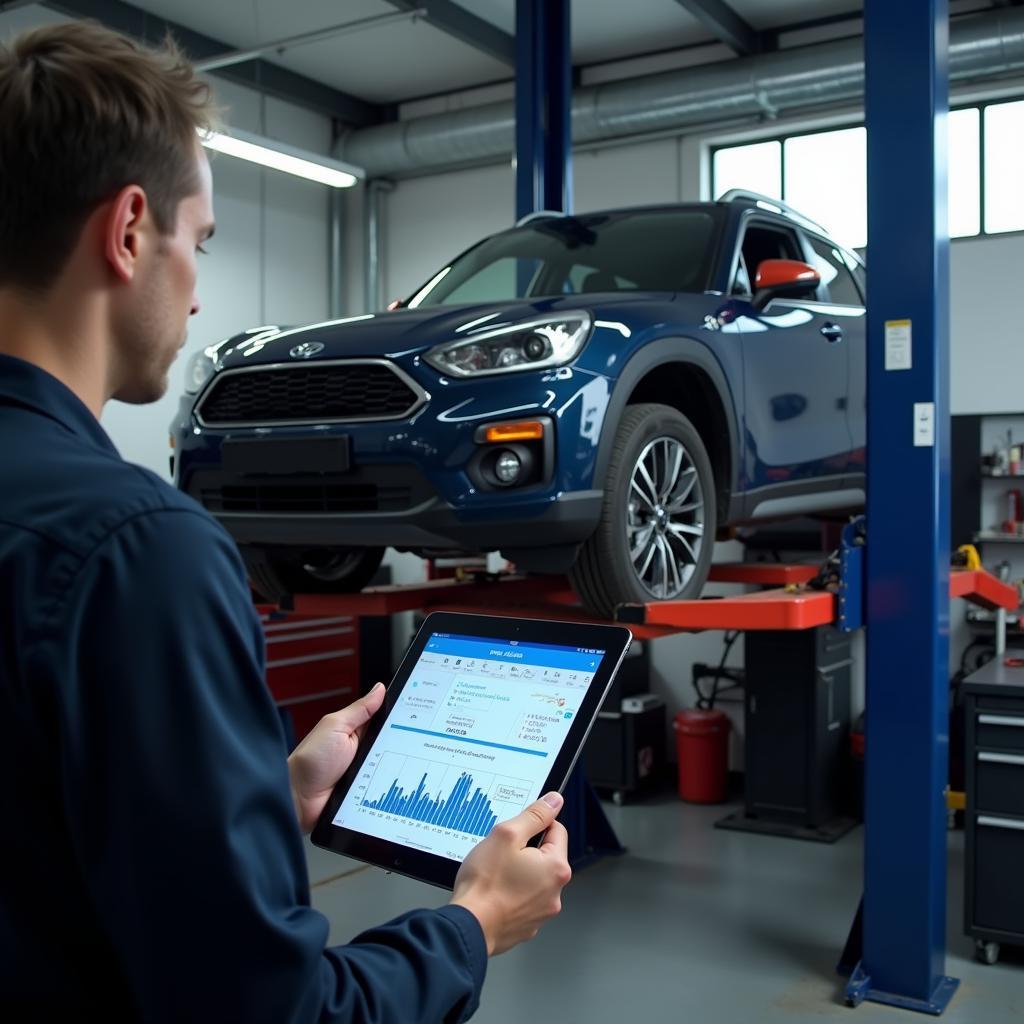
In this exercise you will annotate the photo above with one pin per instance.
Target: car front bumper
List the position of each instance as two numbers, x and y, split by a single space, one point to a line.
565 520
411 484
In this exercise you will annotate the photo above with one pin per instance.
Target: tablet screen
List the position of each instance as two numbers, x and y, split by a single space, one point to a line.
469 741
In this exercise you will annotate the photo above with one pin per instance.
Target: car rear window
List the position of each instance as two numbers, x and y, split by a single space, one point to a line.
648 250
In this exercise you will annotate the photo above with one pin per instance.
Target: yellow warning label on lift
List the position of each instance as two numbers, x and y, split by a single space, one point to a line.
898 345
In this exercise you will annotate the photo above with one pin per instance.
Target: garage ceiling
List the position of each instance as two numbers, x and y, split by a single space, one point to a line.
403 54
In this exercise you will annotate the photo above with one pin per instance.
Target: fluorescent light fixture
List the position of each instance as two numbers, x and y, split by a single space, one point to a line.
281 157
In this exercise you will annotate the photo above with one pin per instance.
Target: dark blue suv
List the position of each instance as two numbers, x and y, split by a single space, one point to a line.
600 395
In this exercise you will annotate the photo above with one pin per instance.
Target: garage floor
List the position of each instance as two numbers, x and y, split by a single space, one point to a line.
692 925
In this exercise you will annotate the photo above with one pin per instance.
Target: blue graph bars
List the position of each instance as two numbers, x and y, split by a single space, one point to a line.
459 811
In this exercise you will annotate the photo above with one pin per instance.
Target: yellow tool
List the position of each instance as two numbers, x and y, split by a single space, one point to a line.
967 557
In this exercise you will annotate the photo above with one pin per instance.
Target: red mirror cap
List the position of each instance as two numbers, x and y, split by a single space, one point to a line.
780 273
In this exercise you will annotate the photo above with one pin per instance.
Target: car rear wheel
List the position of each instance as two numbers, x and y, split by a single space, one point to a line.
656 534
282 572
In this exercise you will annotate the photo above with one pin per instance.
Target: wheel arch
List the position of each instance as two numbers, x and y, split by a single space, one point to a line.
684 374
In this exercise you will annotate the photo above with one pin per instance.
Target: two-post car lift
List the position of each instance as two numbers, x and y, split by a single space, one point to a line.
791 597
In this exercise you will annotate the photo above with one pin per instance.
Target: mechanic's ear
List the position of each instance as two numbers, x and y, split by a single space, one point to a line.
121 236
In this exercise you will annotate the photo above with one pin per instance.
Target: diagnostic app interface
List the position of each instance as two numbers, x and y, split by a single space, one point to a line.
470 741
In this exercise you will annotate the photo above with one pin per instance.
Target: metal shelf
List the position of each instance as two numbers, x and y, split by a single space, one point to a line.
994 537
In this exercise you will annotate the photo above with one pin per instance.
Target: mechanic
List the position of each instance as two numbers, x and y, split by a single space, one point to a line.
155 866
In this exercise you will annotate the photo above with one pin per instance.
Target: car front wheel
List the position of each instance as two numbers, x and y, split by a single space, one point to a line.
281 572
656 535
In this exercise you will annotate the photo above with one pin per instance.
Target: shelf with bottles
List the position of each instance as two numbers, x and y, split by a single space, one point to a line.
1002 459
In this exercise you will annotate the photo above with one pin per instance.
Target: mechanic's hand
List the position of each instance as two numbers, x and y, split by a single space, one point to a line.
512 888
317 763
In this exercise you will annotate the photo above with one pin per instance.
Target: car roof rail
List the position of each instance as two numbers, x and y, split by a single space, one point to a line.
772 205
540 215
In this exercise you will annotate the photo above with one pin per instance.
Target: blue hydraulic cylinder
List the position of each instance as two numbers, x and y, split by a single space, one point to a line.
907 554
543 107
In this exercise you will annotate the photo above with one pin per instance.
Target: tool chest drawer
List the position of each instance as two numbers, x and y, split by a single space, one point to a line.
999 783
997 888
1000 730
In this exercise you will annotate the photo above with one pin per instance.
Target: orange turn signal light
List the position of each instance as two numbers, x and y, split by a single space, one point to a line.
171 439
525 430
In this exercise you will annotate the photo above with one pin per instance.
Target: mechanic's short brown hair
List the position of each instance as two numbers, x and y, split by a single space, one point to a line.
83 113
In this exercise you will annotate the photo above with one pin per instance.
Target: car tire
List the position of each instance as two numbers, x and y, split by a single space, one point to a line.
674 526
282 572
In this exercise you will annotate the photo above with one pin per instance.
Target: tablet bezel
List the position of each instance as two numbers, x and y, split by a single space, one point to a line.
429 867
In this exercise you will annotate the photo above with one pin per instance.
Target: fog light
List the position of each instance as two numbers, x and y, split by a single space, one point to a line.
507 467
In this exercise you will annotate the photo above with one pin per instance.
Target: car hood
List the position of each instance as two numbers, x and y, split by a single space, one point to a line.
412 331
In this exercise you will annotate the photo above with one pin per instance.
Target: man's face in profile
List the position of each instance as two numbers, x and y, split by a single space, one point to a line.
152 325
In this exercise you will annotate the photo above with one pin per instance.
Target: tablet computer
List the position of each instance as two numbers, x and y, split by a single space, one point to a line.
485 715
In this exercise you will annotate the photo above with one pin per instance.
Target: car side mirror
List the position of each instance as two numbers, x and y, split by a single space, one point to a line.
775 279
395 304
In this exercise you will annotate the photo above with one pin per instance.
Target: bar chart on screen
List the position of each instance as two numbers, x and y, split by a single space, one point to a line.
442 796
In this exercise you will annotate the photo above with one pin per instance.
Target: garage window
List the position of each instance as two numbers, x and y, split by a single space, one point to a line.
1004 167
824 174
964 172
825 178
757 168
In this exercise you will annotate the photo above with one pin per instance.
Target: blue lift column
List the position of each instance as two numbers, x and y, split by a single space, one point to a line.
544 182
543 107
907 726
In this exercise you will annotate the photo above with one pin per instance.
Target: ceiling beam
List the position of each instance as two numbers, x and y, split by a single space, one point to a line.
460 24
855 19
267 78
725 25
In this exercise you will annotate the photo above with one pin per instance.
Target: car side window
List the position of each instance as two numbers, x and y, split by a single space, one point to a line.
762 242
835 275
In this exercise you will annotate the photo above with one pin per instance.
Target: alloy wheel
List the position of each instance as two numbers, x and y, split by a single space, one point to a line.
665 517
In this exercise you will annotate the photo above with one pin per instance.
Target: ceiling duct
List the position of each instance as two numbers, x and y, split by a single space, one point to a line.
785 81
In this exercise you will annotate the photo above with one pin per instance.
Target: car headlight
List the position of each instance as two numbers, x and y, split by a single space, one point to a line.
535 345
199 369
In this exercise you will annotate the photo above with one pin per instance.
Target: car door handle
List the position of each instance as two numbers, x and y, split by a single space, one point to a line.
832 332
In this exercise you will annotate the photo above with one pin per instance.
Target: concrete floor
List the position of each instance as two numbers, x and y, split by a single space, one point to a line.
694 924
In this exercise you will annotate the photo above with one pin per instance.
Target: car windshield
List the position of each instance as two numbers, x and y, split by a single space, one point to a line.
643 250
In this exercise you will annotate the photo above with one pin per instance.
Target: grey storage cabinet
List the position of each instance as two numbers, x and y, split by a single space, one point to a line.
994 822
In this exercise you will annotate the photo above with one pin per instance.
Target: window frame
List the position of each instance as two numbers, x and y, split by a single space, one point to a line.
981 107
810 237
757 218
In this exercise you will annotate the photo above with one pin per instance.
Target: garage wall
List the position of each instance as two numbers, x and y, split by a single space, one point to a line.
266 264
987 346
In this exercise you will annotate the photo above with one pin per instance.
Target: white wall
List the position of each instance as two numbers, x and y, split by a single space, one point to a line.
267 262
987 337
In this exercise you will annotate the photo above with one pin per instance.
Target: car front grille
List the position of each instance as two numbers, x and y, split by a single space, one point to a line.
336 392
